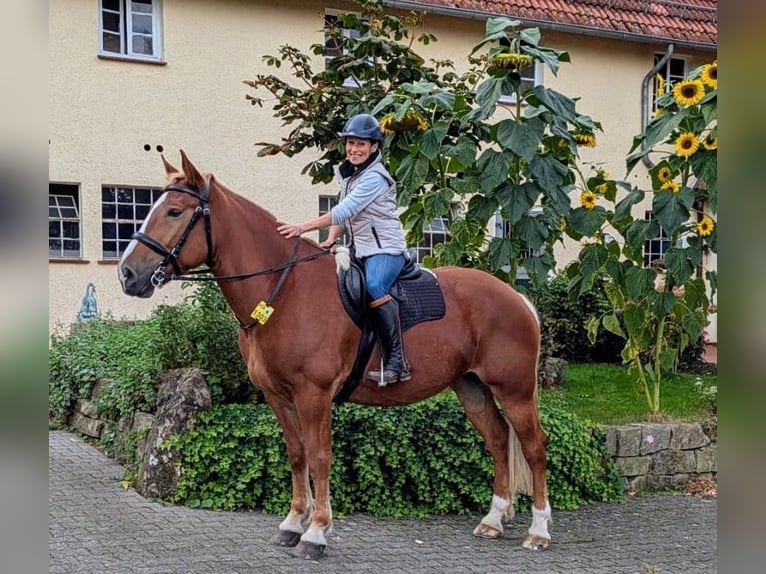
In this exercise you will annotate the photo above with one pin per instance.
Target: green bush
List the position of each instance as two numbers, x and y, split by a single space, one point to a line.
201 332
564 332
419 460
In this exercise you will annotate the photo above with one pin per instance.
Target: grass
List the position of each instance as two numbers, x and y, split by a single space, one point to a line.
608 394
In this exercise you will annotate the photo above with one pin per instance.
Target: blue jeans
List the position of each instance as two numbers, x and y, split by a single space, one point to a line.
380 272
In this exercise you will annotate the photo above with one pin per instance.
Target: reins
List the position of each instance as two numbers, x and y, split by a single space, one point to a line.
159 276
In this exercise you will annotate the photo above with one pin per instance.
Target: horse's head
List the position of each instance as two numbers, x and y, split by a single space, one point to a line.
174 237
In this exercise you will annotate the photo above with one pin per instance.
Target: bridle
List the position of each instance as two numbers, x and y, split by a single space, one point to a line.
171 256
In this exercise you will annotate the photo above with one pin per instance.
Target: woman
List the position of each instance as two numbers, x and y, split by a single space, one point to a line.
367 211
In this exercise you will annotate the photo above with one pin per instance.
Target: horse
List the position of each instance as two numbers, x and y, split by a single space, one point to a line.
485 348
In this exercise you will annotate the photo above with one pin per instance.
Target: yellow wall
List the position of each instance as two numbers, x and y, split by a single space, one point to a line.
103 112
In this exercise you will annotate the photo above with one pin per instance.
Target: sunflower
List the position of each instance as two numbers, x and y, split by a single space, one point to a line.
689 92
709 75
705 227
410 122
512 61
686 144
664 174
671 185
710 142
602 188
584 139
588 200
660 84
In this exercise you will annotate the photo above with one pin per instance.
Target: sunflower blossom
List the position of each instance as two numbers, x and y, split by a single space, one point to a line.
664 174
709 75
512 61
584 139
410 122
686 144
705 227
588 200
671 185
602 188
710 142
689 92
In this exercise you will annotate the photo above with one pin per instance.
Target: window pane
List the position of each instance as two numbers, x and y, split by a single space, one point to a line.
141 212
143 196
108 211
142 23
144 6
110 249
53 212
142 45
107 194
71 247
111 43
68 212
125 230
54 248
124 212
109 230
54 229
110 22
71 229
124 195
111 5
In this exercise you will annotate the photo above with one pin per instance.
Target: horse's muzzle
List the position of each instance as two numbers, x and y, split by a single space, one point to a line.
133 283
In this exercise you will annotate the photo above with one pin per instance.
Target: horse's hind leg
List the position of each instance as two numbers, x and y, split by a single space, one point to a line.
479 405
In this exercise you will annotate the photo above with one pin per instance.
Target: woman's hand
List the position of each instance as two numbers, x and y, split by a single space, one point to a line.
289 230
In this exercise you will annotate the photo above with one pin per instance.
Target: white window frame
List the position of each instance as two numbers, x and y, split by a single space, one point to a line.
124 226
126 32
670 79
500 228
662 240
350 82
325 204
59 212
536 78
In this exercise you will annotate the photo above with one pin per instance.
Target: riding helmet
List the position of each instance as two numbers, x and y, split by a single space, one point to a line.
363 126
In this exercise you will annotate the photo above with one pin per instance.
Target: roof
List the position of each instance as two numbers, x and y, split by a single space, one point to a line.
693 22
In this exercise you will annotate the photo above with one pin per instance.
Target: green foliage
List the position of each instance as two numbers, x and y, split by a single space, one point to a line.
419 460
659 309
201 332
563 318
448 139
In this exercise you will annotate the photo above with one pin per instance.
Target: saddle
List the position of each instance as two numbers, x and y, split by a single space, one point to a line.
417 293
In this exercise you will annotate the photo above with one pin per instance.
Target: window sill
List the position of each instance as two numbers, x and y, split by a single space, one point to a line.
108 261
66 260
134 59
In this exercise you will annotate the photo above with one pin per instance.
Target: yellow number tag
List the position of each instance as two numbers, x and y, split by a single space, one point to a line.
262 312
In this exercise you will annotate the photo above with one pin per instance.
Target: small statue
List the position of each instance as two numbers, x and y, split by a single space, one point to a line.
89 306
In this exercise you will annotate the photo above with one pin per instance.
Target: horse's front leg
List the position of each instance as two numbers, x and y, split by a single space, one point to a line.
315 414
302 503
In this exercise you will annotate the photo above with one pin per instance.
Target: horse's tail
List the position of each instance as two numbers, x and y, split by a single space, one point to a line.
520 473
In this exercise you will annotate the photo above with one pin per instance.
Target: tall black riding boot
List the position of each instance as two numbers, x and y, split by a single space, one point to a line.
395 367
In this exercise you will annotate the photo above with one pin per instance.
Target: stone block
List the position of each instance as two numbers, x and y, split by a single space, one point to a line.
632 465
687 436
142 421
99 385
654 437
707 459
86 425
628 440
86 407
666 481
611 440
710 428
673 462
636 484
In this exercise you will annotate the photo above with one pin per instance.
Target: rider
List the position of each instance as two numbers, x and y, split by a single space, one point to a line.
367 210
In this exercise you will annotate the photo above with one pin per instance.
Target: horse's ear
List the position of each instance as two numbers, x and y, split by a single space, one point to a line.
169 169
193 176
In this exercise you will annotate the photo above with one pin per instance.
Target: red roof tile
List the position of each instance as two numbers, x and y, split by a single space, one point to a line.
692 22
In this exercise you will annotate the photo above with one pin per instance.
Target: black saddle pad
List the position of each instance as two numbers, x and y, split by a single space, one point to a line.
417 292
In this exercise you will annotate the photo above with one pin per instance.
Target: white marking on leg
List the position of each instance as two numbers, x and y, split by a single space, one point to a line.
497 512
540 520
314 535
294 522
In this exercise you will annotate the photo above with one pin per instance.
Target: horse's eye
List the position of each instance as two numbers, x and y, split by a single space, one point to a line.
174 212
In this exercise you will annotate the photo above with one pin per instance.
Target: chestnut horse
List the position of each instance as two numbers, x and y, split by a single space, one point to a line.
485 348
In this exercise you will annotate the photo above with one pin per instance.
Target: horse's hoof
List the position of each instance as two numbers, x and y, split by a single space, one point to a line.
484 531
536 543
286 538
308 550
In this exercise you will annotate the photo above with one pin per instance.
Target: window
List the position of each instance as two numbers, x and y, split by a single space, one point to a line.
123 209
64 238
673 71
326 203
531 76
131 28
433 234
655 248
503 229
333 41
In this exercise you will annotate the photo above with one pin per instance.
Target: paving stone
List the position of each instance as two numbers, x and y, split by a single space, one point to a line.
96 526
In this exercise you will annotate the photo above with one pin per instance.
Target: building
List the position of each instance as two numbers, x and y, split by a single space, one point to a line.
129 80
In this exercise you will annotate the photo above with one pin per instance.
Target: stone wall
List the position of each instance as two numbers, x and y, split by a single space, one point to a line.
662 455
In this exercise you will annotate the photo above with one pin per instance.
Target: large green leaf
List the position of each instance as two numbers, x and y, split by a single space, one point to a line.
487 94
661 303
548 171
669 211
494 166
592 258
464 151
680 266
612 324
517 200
431 140
693 323
561 105
532 230
481 208
440 100
501 251
411 175
549 56
587 221
639 281
520 137
639 231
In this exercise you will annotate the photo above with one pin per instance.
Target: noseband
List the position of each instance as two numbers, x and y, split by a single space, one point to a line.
171 256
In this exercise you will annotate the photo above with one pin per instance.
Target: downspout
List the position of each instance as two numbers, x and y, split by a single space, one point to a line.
645 98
